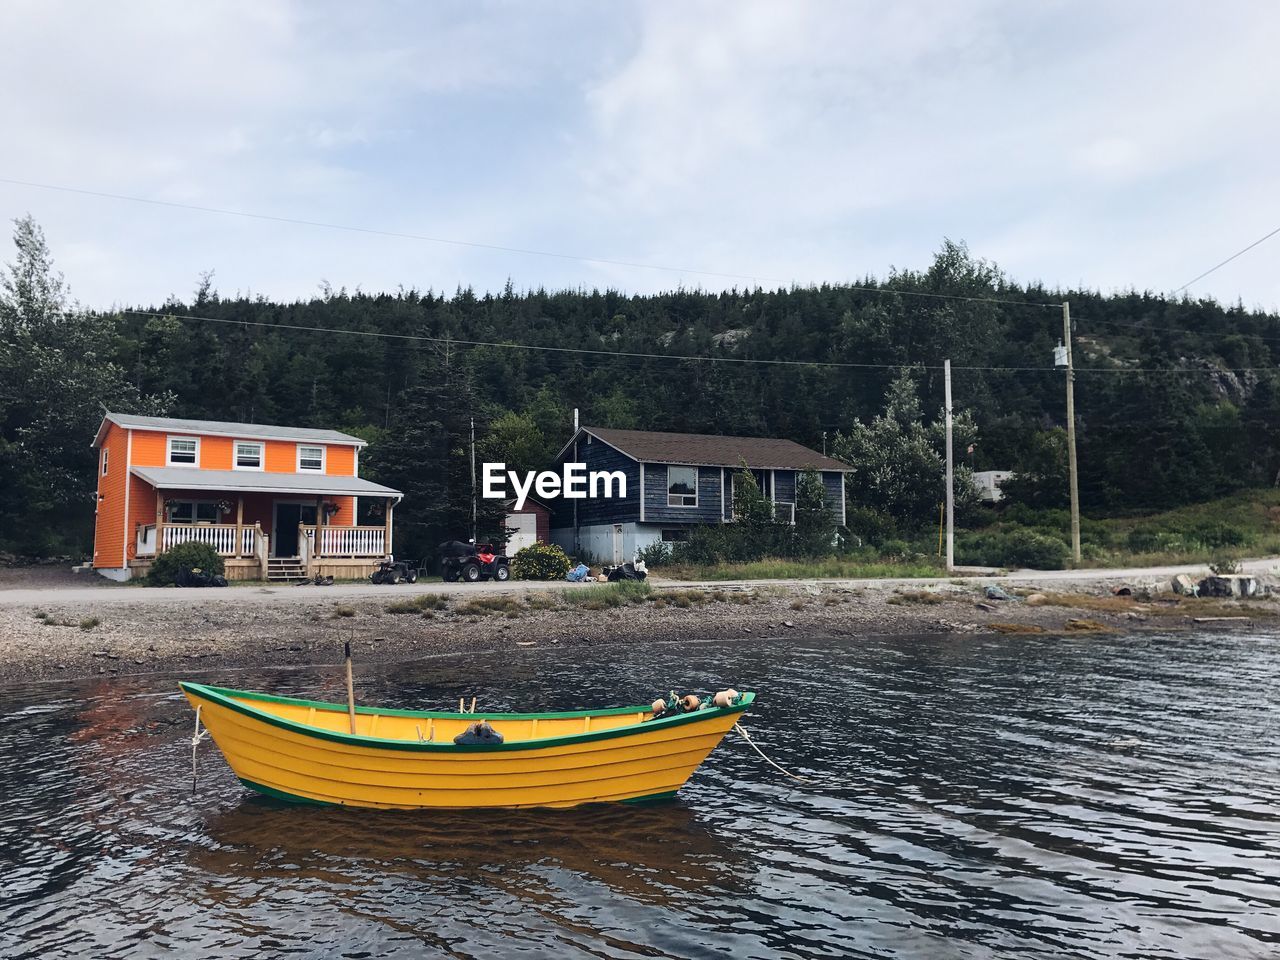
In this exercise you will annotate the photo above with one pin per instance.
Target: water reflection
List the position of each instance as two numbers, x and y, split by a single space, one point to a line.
1022 797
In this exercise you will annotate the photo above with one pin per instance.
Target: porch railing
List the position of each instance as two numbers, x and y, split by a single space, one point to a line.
221 536
347 541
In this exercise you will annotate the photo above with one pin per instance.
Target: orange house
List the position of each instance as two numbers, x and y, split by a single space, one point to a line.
276 502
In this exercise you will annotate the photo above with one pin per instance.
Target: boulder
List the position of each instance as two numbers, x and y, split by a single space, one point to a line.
1219 587
1184 585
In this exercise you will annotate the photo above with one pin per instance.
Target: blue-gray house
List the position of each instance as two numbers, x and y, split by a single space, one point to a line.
676 481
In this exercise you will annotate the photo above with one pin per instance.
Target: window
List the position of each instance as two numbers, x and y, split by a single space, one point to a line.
784 512
183 451
311 458
682 486
248 455
105 452
191 511
677 535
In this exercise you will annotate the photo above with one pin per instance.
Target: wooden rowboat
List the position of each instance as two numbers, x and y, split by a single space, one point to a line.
303 751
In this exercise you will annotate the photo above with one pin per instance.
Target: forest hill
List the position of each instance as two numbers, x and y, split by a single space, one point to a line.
1152 374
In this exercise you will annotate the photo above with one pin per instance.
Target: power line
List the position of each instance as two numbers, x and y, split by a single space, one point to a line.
524 251
1228 260
633 355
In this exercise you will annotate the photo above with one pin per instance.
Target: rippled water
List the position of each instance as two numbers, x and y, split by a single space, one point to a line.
1020 797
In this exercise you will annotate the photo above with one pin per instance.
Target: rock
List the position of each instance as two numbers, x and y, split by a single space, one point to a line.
1182 584
788 623
1037 600
1122 591
1219 587
984 606
996 593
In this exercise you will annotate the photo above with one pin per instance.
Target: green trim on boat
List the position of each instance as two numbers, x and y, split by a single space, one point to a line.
275 794
225 697
424 714
651 798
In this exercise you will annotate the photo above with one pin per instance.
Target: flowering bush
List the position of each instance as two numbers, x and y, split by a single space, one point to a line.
541 561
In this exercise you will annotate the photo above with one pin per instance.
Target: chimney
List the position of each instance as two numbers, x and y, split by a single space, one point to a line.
575 419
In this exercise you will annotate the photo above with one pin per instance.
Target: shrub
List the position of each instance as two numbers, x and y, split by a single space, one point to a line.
871 526
1216 535
1016 547
88 623
1224 566
656 554
185 556
895 550
540 561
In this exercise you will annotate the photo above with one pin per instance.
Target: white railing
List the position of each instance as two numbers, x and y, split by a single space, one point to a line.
352 542
220 536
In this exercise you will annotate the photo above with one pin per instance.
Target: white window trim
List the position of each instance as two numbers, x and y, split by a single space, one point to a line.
324 458
168 452
789 505
106 461
682 496
262 455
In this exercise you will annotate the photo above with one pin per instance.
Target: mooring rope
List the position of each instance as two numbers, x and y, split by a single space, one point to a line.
763 756
196 737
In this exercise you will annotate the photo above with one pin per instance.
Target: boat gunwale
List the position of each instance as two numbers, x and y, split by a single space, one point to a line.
225 697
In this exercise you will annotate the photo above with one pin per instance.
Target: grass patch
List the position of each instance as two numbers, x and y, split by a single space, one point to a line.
927 597
88 623
483 606
798 603
419 604
831 568
610 596
340 613
1171 605
999 627
1085 625
542 600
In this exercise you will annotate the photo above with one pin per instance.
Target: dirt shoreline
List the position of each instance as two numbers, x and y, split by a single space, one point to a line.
75 638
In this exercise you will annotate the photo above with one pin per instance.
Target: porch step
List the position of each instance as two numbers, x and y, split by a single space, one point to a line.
285 568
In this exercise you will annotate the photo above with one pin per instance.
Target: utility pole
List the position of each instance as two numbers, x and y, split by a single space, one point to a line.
1071 433
951 476
473 480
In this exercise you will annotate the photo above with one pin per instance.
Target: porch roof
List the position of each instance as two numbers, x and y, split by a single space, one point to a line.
247 481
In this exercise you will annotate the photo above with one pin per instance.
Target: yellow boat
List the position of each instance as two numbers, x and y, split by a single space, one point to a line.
303 751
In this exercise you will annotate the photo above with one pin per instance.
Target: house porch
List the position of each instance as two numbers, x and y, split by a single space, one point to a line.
265 527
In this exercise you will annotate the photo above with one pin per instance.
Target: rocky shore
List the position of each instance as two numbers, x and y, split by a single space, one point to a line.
69 633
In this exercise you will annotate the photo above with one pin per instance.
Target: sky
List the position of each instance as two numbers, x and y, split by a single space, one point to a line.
1106 146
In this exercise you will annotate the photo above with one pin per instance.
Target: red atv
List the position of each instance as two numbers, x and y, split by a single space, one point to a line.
472 562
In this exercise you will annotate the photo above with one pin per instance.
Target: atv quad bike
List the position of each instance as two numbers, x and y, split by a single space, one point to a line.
394 571
471 562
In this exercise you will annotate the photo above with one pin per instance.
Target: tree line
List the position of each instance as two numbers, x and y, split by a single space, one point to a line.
1178 399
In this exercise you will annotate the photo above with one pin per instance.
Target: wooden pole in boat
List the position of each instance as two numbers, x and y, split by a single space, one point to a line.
351 690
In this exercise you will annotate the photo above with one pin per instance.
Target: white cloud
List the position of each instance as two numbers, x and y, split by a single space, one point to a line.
1107 144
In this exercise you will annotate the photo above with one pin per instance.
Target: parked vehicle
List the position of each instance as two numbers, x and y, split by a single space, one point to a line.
472 562
394 571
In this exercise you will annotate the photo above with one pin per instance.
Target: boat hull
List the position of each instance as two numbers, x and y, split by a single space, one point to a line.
291 761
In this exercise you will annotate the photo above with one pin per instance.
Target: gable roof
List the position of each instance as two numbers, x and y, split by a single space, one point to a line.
222 428
713 450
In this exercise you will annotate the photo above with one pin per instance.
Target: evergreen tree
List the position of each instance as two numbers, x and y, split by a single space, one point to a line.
815 523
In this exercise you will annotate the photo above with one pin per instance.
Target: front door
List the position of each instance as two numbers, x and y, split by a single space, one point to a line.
617 543
284 536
